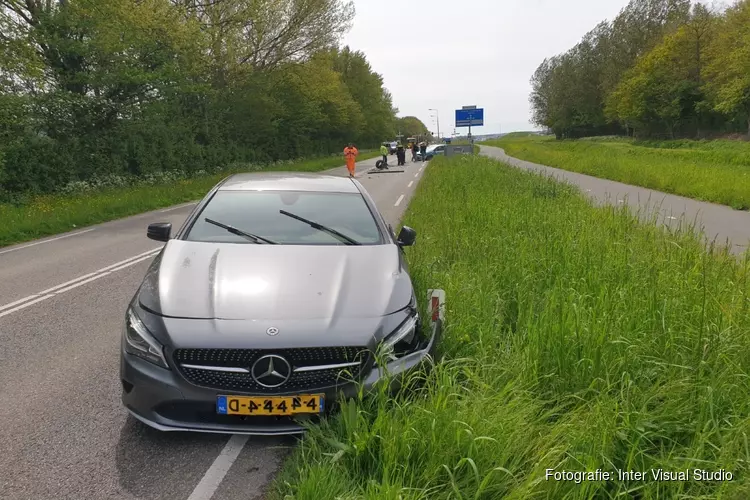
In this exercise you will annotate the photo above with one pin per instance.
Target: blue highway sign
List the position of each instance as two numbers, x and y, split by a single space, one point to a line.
470 117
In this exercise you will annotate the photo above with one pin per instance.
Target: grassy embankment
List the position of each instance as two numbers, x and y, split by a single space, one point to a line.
577 339
716 171
53 214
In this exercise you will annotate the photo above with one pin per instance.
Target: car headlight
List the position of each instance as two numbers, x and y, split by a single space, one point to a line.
139 342
402 341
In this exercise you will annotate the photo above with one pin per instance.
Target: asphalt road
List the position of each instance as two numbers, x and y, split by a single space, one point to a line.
718 223
63 431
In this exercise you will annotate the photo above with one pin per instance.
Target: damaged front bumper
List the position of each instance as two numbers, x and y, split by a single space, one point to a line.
162 399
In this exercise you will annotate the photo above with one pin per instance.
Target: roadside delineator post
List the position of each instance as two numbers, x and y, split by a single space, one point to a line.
437 305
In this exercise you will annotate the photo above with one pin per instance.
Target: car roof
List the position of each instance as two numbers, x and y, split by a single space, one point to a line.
288 181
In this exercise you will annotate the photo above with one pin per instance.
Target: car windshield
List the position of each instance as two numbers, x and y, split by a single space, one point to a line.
262 213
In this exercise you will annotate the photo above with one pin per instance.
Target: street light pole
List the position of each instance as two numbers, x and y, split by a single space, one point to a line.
437 117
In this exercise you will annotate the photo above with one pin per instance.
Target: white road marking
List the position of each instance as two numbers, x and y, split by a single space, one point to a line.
421 169
400 199
74 283
133 262
415 175
27 304
6 306
93 278
410 183
671 218
46 241
178 207
44 292
215 474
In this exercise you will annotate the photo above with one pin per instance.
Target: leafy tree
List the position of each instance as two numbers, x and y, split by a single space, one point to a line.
261 35
729 68
94 87
317 110
638 28
569 91
366 87
411 126
664 91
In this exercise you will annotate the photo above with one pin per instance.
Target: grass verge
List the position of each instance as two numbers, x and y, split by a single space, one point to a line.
53 214
577 339
716 171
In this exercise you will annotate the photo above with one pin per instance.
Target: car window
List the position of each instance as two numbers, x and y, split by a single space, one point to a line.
257 212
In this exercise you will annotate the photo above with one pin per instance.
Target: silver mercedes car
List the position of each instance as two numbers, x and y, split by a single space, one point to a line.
281 293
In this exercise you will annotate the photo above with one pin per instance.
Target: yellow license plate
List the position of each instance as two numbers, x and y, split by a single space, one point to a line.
276 405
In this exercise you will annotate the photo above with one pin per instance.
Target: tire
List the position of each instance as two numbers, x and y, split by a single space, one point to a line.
379 165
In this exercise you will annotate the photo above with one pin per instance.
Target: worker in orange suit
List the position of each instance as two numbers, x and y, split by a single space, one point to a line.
350 153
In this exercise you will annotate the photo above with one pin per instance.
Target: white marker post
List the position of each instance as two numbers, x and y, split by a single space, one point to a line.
436 308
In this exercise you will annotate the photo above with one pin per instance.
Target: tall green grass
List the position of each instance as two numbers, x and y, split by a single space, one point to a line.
716 171
577 339
47 215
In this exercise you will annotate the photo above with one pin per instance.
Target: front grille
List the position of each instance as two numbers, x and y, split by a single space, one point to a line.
245 358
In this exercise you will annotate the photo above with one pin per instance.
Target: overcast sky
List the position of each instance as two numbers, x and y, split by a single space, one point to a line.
445 54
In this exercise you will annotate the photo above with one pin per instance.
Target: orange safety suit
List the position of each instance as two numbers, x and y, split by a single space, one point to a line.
351 158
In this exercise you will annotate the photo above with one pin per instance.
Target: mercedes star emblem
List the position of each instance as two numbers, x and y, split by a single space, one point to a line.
271 370
272 331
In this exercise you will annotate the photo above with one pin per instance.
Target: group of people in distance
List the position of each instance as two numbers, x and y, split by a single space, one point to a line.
421 147
414 147
351 152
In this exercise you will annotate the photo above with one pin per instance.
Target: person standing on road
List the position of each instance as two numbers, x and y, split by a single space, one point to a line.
414 151
423 149
350 153
401 154
384 152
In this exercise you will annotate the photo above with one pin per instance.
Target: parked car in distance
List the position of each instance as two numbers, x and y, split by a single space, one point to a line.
432 151
280 293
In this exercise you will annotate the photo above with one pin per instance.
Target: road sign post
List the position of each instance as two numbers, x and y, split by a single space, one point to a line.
470 116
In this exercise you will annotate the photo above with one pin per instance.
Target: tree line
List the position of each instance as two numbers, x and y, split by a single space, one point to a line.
411 126
660 69
129 87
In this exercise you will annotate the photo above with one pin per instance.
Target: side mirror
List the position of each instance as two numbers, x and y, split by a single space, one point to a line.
406 237
159 231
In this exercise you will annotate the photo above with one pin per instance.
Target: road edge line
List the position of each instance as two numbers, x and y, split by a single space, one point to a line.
215 474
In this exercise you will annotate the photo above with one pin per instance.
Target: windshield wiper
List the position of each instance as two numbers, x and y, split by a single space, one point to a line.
342 237
239 232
